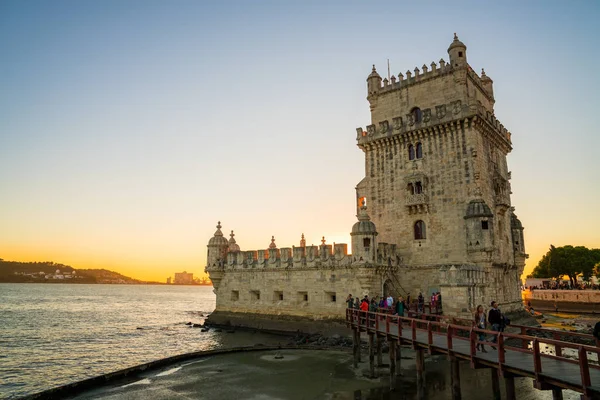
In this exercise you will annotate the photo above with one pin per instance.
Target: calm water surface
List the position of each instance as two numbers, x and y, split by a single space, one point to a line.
53 334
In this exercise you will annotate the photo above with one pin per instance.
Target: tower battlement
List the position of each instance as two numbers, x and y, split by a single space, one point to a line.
325 256
433 119
419 76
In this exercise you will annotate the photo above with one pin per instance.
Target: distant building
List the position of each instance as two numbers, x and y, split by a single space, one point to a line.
168 280
184 278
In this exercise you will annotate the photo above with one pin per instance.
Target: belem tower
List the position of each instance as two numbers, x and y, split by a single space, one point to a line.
434 212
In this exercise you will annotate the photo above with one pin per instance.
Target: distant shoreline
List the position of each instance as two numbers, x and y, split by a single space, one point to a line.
53 282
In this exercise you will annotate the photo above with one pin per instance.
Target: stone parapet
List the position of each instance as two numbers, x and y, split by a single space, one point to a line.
434 116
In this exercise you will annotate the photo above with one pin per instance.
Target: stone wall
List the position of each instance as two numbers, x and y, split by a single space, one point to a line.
575 296
315 294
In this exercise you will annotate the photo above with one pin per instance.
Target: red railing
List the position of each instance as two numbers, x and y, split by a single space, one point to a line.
406 329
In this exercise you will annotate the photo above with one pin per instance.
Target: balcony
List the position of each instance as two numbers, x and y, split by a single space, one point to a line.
416 199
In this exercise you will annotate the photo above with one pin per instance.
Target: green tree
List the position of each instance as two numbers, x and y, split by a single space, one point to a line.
568 260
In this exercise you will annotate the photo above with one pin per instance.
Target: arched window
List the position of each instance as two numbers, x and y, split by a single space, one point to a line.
417 114
419 150
419 230
418 188
411 189
411 152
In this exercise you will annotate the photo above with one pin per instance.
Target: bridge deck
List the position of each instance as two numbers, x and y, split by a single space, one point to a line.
521 359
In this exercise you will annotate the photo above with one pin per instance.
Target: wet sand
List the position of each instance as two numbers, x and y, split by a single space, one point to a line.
303 374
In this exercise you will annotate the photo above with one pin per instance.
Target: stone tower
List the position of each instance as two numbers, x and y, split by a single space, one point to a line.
437 183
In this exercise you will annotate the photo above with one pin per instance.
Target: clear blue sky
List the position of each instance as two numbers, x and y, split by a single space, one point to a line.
128 128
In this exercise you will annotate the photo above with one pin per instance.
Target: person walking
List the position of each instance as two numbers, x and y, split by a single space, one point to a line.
400 307
480 322
390 301
421 302
495 318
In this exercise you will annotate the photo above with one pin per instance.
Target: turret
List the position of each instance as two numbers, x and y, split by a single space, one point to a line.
458 53
488 83
217 249
233 247
373 83
479 221
516 228
364 237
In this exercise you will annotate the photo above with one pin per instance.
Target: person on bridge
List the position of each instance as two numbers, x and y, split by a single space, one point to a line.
356 303
364 305
400 307
373 306
390 301
350 301
421 302
481 324
496 320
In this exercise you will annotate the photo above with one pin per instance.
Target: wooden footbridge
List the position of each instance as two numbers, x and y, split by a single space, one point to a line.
515 354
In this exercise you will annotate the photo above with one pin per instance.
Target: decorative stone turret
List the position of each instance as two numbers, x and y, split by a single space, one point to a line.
217 248
479 221
488 83
458 53
302 241
373 82
233 246
364 237
272 245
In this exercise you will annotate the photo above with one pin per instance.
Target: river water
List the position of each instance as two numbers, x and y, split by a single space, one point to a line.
54 334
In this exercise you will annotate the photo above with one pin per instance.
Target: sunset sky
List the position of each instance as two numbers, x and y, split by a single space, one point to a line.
129 128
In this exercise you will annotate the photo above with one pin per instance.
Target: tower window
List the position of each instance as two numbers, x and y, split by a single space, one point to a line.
411 152
484 225
417 114
419 230
362 201
460 53
367 243
419 150
418 188
411 189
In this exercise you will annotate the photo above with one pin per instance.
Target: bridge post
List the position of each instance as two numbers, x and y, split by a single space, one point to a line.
557 394
420 364
392 354
356 346
455 378
509 385
379 355
495 384
372 355
398 351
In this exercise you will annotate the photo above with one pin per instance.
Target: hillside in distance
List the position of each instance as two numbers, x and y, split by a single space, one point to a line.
51 272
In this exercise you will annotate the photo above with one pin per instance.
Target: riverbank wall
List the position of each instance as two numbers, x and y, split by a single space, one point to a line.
579 301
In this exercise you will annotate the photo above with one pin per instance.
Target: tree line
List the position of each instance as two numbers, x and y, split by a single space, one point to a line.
571 261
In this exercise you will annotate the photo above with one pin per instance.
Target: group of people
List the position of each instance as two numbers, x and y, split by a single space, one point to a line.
564 285
495 319
397 306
